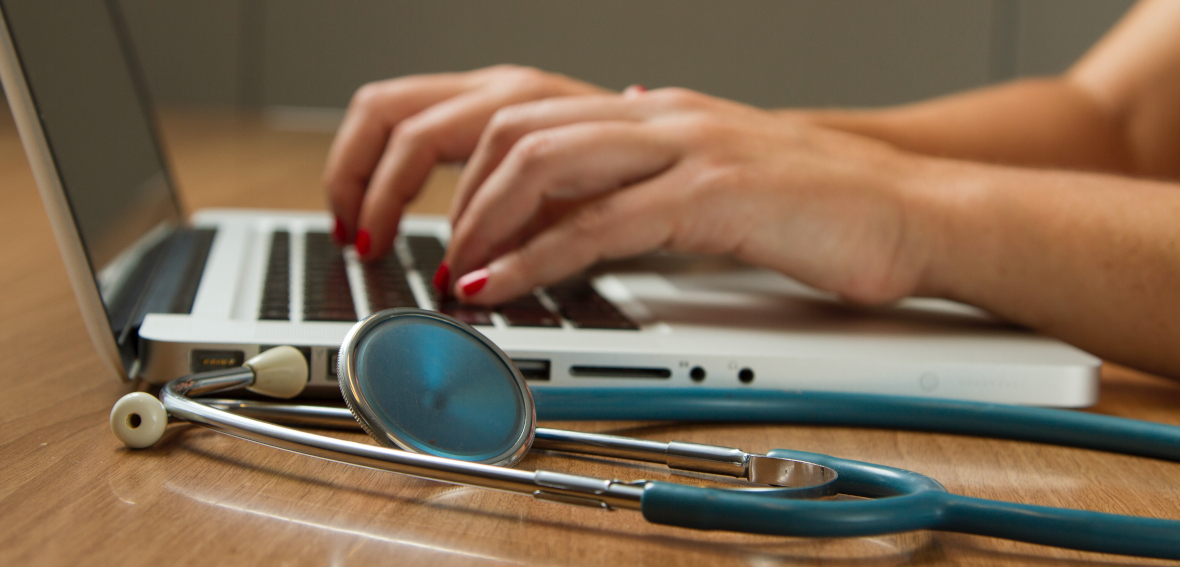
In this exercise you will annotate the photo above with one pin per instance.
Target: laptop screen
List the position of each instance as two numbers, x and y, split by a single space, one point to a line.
94 114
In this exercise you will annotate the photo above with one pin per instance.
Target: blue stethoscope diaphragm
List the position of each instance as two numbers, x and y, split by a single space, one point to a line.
429 384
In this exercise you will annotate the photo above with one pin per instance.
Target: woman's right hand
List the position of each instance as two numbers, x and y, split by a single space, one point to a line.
395 132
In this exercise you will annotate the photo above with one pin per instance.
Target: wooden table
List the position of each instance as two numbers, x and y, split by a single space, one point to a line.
70 494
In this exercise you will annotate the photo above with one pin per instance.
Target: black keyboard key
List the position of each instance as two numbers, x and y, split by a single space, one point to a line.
386 284
326 293
581 304
282 314
276 291
528 311
427 252
470 314
576 299
331 315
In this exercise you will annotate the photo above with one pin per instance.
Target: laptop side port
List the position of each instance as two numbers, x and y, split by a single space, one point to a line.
533 369
203 360
619 372
333 366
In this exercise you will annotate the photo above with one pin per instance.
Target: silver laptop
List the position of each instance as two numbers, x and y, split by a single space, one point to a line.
163 296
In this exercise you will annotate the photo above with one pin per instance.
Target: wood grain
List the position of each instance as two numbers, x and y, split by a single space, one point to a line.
70 494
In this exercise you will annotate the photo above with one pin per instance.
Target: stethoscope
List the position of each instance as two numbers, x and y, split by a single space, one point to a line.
444 403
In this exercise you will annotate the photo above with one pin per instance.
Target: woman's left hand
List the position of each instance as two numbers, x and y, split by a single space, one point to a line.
556 185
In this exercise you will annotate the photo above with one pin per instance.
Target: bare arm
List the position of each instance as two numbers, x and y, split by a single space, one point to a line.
1090 258
1116 110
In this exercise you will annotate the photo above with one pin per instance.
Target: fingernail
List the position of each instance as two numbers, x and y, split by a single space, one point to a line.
339 233
363 240
634 90
473 282
442 277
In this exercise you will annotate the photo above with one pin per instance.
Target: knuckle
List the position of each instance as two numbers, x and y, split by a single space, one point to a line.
411 133
502 68
723 177
678 97
368 96
337 190
593 218
529 259
504 126
697 129
529 80
533 150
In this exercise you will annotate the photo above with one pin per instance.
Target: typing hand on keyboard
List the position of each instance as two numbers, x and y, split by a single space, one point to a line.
576 299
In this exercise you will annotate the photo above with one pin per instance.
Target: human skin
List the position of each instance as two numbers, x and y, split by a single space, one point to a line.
1005 198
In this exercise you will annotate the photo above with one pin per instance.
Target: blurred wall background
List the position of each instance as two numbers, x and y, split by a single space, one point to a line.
315 53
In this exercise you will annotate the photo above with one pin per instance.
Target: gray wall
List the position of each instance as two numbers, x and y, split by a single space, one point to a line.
251 53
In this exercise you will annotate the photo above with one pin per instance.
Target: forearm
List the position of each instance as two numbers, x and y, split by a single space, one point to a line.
1047 122
1092 259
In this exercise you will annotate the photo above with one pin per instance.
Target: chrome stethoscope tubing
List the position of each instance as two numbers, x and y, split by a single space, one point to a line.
804 479
543 485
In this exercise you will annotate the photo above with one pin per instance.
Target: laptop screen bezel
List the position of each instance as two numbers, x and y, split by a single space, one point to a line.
65 225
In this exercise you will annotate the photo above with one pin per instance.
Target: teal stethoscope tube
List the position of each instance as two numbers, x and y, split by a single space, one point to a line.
905 501
902 500
999 421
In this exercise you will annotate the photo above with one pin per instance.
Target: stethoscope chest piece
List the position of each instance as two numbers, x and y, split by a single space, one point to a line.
429 384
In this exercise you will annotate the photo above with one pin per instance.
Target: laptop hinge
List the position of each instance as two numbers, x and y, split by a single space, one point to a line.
171 288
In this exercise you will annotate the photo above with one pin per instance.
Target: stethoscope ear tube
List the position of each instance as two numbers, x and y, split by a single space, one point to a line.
999 421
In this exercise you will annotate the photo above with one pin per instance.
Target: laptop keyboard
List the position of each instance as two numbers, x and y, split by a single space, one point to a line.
327 296
276 293
386 284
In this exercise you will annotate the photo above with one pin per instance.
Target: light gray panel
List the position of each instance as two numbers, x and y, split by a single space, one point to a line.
1055 33
766 52
190 50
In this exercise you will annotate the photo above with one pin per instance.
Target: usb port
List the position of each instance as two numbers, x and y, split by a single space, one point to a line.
533 369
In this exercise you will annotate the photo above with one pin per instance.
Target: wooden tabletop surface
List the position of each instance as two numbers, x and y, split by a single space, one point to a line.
71 494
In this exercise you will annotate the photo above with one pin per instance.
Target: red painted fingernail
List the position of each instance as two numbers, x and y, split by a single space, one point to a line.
473 282
634 90
363 240
339 233
442 277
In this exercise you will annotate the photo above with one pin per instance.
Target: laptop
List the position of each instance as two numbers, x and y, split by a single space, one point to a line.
164 294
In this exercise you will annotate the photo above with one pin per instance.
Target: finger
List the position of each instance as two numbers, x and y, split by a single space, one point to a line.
447 131
634 91
629 222
572 162
511 123
359 143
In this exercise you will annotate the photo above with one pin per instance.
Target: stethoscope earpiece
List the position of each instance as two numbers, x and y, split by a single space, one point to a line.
138 420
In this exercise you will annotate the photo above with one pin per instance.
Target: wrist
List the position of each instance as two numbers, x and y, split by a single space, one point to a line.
946 211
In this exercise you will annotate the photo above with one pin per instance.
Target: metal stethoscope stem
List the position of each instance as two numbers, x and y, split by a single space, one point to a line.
807 480
543 485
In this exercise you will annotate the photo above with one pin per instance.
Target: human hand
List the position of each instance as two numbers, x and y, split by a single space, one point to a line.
396 131
558 184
